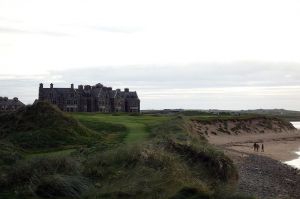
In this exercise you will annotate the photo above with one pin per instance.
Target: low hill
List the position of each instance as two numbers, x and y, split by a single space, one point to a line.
149 156
240 125
43 126
170 164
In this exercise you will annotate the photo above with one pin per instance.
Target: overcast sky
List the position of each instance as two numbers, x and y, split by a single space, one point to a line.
233 54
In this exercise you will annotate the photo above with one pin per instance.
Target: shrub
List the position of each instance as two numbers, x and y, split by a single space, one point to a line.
215 161
62 186
9 154
27 171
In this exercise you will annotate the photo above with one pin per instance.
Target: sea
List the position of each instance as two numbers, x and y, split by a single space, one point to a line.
296 162
296 124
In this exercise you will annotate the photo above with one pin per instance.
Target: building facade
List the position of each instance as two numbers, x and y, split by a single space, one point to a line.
10 104
97 98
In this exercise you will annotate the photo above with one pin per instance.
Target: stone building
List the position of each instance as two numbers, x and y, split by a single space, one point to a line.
97 98
10 104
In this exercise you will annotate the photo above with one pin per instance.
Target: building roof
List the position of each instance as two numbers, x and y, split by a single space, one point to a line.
4 101
95 91
59 91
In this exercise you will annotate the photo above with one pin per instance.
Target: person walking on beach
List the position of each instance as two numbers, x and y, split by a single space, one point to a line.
254 146
262 147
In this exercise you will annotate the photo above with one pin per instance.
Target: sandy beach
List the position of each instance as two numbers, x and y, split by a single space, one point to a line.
278 146
262 174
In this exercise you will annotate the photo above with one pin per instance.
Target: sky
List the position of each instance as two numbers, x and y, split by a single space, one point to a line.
192 54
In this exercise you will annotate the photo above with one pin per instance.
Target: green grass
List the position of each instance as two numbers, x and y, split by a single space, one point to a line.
161 166
223 117
135 126
127 156
43 126
59 153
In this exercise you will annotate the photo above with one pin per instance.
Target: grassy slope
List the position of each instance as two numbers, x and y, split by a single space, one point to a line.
136 126
43 126
160 159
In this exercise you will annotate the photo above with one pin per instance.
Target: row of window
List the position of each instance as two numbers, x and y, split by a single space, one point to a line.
71 95
4 108
71 109
69 102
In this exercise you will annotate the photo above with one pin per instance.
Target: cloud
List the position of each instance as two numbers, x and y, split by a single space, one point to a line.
190 76
224 86
115 29
12 30
24 31
10 20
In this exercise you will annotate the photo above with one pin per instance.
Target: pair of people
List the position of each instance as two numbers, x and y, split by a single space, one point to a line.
256 147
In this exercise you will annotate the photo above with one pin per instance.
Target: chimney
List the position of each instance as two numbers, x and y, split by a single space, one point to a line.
16 99
126 89
41 85
51 85
72 86
87 87
80 87
118 90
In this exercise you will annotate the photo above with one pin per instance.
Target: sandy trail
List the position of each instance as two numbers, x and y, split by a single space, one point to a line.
278 146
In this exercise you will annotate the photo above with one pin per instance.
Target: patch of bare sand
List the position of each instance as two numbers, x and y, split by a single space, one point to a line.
278 146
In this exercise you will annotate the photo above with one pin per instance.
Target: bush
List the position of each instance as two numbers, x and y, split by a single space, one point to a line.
219 165
9 154
191 193
27 171
62 186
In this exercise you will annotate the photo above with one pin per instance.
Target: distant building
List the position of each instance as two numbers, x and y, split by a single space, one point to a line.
10 104
97 98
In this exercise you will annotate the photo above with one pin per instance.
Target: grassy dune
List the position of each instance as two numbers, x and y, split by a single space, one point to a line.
122 156
43 126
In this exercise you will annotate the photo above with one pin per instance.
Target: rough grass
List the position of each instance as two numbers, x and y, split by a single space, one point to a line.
45 177
224 119
142 172
62 186
9 154
161 167
43 126
153 157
